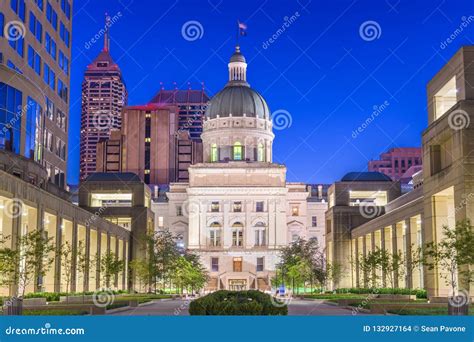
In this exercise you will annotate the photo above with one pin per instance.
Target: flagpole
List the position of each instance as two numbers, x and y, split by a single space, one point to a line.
238 33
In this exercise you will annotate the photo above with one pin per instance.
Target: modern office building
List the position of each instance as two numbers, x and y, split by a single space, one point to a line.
238 211
103 96
35 54
398 163
442 194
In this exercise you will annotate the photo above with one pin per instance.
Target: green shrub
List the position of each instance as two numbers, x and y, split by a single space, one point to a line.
419 293
237 303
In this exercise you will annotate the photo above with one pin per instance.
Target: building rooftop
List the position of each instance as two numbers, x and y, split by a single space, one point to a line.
113 176
180 96
366 177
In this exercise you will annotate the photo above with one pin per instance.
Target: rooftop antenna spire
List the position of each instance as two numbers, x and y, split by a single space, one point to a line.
106 36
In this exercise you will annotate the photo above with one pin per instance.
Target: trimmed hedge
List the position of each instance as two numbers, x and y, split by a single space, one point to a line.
419 293
237 303
54 296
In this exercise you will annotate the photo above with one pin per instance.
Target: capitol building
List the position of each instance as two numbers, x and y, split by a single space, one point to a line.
238 210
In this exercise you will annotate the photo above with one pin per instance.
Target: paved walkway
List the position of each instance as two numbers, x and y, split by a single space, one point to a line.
179 307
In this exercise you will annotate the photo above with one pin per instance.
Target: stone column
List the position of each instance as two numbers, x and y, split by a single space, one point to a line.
87 250
408 252
74 256
394 250
57 259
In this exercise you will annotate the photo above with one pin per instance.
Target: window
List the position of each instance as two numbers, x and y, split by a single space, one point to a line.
66 8
64 33
36 28
18 6
2 24
17 44
63 62
61 120
49 109
215 236
260 264
33 131
215 264
237 151
237 207
111 200
48 140
260 152
237 237
260 237
62 90
314 221
179 210
10 114
215 207
295 210
294 237
50 45
52 16
34 60
39 3
214 153
49 76
60 149
160 221
259 207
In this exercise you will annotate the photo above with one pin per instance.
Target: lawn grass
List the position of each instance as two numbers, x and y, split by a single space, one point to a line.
54 312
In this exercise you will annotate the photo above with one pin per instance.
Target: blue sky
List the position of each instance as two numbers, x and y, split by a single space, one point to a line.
325 70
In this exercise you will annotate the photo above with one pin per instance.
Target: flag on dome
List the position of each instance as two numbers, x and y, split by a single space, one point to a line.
242 28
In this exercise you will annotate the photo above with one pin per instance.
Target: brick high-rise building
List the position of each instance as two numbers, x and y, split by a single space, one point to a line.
35 55
103 96
396 162
192 104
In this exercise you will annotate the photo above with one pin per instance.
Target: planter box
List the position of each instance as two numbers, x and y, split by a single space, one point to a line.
438 300
76 299
34 301
396 297
92 309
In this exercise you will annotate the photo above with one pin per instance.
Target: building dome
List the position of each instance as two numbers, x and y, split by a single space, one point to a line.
237 125
238 100
370 176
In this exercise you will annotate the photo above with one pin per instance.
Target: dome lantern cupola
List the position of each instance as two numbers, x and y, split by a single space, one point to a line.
237 69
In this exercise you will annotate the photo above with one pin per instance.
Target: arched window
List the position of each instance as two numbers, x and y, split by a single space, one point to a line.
237 151
214 154
260 153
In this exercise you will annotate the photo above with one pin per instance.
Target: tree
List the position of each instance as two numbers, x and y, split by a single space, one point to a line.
110 267
142 270
453 255
334 273
29 259
9 259
65 254
82 261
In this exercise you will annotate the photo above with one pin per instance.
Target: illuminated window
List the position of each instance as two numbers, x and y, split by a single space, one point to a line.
295 210
111 200
147 139
214 154
237 151
160 222
237 207
237 234
215 207
260 153
215 237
